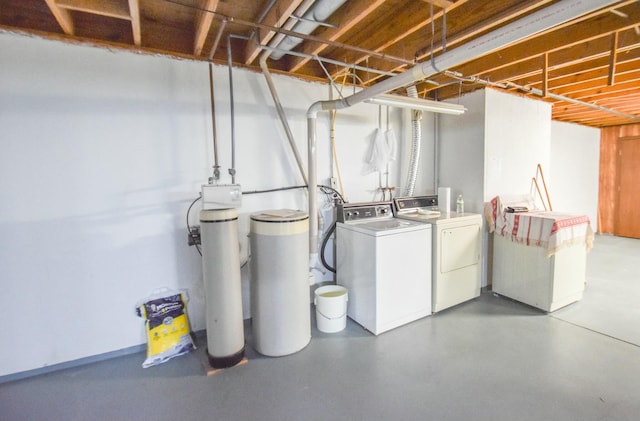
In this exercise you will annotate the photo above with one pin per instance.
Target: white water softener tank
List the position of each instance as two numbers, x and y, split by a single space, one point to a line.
223 295
280 303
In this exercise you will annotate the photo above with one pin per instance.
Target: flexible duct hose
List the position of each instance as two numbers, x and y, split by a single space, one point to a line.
416 143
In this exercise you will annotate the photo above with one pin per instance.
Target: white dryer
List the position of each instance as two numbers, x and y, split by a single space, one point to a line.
385 263
457 249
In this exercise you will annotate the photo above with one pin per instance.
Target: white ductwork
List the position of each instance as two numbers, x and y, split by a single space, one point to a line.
320 11
532 24
416 145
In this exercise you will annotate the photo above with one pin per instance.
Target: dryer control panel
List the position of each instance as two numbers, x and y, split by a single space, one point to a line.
355 212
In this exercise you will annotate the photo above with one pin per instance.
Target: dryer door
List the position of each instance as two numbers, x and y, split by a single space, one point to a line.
460 247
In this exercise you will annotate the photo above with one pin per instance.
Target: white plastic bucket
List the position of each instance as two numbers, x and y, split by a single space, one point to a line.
331 308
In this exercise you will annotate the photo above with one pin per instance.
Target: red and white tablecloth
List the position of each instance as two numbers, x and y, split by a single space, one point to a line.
552 230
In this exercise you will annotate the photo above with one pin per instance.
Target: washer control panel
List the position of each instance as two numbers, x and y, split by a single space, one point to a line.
415 203
355 212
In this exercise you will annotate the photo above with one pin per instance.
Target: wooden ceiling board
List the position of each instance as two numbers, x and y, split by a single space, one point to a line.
28 15
88 25
419 43
576 33
110 8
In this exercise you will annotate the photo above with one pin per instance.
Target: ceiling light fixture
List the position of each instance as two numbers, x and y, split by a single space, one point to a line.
417 104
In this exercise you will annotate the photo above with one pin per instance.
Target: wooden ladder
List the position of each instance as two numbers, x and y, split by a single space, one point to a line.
534 181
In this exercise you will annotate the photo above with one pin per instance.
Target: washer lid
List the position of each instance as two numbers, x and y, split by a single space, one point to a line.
385 227
280 215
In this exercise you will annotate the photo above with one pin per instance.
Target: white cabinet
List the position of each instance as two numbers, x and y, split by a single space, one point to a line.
526 274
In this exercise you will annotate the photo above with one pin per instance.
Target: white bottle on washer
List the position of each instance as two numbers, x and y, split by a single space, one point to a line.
460 205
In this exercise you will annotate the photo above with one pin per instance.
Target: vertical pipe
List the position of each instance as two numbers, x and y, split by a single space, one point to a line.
312 182
436 150
216 166
214 48
232 170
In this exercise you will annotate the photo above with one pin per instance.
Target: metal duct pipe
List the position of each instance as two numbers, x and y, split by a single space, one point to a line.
536 22
416 144
309 22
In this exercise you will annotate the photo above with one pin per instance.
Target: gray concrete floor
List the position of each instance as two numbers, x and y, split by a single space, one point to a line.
487 359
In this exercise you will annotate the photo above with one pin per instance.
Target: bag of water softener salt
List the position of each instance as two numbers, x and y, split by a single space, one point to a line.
166 326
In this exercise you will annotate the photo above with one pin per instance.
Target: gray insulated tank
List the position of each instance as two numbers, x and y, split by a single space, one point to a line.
223 294
280 301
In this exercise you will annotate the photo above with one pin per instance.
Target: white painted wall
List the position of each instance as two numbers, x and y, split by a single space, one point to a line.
461 152
575 164
101 153
518 134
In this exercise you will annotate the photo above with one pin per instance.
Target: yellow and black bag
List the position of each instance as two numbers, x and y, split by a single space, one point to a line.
166 325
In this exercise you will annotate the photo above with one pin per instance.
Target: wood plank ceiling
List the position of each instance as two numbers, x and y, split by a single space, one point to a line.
589 68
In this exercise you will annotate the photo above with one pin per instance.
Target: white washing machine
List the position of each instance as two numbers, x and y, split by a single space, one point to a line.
384 262
457 249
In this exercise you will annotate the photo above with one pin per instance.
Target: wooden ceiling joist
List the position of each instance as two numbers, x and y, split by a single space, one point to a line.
203 25
108 8
134 13
63 17
612 58
545 74
443 4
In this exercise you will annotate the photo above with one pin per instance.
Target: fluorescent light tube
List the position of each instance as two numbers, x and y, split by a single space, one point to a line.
417 104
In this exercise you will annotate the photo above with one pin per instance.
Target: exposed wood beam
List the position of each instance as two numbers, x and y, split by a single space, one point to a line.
577 41
583 32
545 74
440 3
276 17
465 34
110 8
570 62
62 16
573 64
602 94
397 40
204 18
134 13
627 71
612 58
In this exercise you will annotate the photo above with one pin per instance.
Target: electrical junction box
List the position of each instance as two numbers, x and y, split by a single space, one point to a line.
221 196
